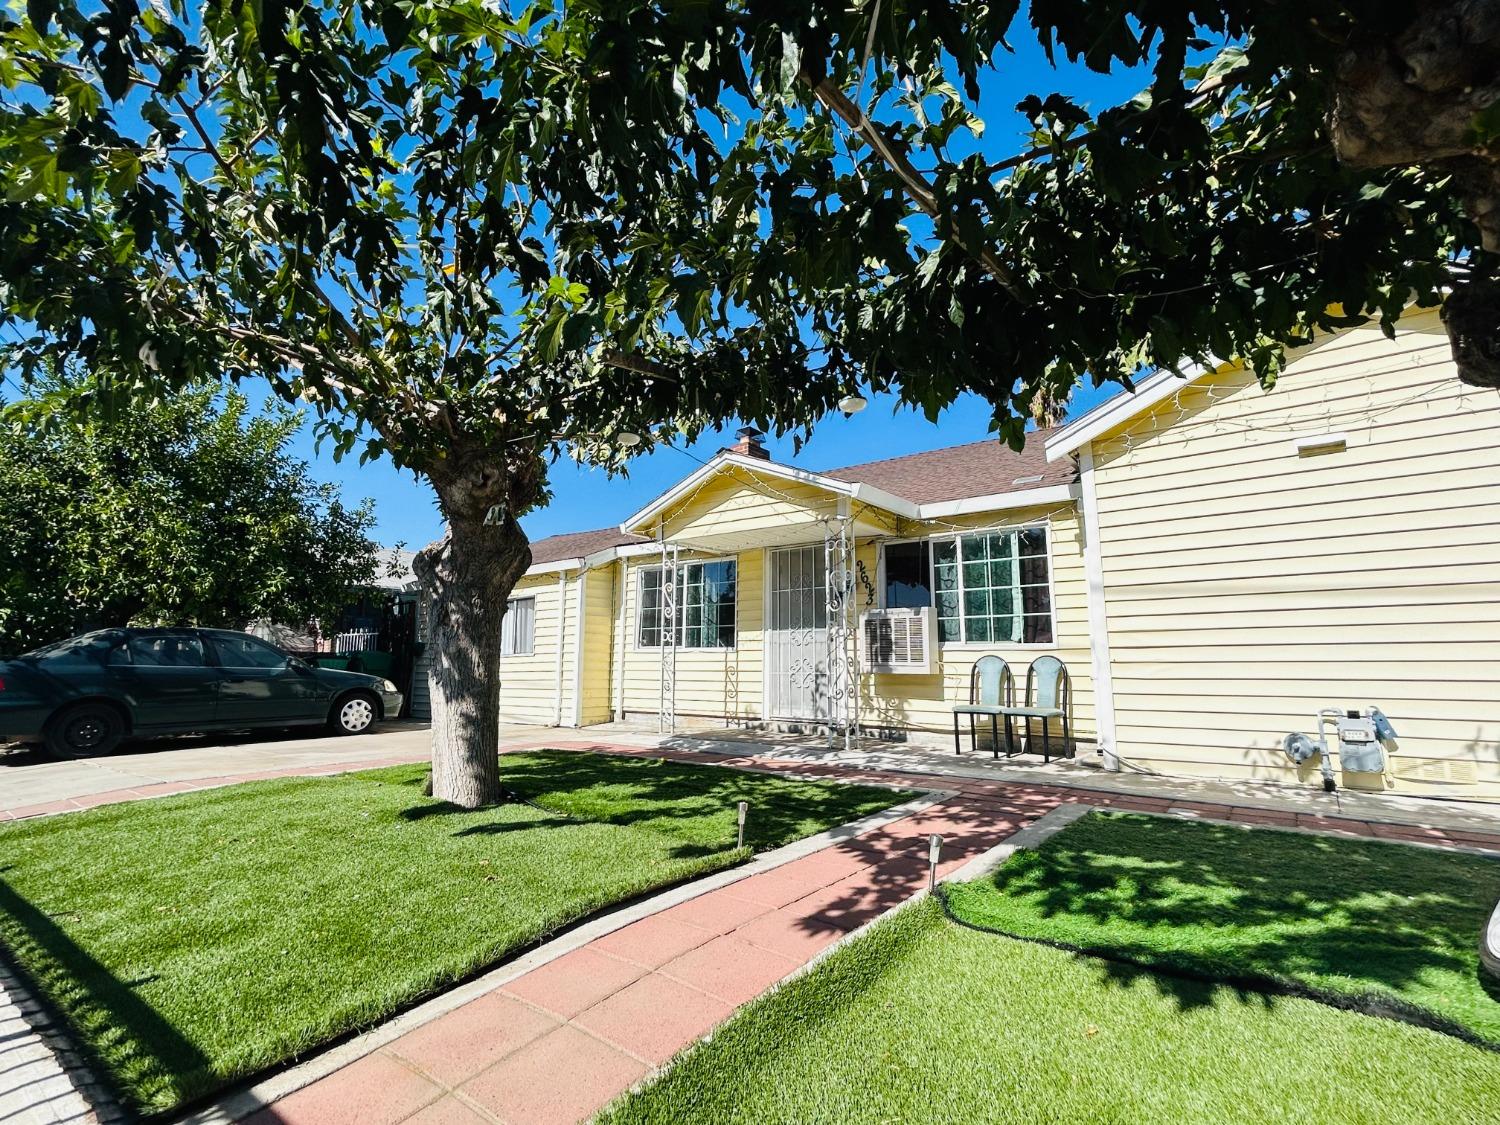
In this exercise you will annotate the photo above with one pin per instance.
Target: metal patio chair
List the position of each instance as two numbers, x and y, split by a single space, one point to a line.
1049 695
991 694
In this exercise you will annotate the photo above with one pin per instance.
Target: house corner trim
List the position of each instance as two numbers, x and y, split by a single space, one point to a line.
1093 562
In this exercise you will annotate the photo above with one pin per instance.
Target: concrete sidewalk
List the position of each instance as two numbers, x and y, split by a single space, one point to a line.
31 780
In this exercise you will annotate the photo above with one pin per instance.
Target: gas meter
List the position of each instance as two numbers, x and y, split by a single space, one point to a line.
1363 739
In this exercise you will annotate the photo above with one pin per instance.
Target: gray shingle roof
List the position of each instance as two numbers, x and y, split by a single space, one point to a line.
980 468
959 472
577 544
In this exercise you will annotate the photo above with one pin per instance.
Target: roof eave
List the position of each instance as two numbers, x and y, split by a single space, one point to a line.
1122 408
997 502
864 493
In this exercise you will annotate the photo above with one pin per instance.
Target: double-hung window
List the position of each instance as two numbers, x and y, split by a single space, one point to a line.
988 587
518 627
704 609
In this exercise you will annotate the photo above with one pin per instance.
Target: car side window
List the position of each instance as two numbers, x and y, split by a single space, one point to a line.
247 652
166 651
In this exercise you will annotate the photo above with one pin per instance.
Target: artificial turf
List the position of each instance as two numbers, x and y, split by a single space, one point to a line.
194 940
1345 915
922 1020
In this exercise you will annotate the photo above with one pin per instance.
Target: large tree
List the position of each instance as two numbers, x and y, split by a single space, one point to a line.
478 235
186 511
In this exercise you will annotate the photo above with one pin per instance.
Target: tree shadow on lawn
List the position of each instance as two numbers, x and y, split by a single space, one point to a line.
1233 900
696 804
104 1005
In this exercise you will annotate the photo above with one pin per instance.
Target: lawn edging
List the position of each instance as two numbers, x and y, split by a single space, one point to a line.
1376 1004
237 1104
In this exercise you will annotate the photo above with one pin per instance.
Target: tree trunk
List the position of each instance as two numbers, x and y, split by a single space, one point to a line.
466 578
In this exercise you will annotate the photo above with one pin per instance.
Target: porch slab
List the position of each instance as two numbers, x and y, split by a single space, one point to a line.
871 758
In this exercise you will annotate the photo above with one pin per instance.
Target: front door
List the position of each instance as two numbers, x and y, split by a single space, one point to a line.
797 640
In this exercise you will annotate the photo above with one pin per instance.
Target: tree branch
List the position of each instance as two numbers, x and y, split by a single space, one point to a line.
626 362
916 184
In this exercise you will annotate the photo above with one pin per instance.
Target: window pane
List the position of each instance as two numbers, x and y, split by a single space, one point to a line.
978 628
1034 571
166 652
948 629
246 652
976 576
973 547
1003 572
944 552
704 607
1033 541
1038 630
907 582
518 627
976 603
648 629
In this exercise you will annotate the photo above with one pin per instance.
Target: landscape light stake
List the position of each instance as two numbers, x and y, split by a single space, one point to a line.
744 810
934 850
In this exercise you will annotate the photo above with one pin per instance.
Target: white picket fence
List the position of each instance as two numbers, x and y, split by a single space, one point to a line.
364 640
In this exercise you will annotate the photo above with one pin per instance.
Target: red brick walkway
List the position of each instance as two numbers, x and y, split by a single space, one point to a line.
561 1041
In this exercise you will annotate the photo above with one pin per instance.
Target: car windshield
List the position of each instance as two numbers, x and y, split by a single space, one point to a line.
91 648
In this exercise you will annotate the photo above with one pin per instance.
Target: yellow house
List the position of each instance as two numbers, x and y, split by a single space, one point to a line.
1213 563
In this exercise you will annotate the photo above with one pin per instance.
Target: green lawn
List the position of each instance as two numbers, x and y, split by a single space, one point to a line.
1352 916
925 1021
197 939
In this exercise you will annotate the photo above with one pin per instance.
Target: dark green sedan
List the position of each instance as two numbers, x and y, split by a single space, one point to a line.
84 695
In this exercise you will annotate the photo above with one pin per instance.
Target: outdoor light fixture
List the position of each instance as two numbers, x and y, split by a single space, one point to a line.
627 439
934 850
852 403
744 811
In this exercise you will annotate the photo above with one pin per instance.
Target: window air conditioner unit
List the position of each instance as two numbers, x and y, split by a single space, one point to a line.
900 641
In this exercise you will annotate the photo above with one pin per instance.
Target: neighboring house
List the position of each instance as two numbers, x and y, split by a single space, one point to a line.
1212 562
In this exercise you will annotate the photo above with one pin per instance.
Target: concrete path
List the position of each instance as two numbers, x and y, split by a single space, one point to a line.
41 1082
939 759
561 1041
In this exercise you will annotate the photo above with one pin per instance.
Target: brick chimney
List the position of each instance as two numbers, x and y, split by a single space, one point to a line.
749 444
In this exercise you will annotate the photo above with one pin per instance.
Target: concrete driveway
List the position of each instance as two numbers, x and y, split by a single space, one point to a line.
30 777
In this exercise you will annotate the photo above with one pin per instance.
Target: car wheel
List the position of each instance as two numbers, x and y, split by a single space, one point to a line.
354 714
85 730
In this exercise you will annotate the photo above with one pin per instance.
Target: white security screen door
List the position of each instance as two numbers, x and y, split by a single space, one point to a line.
797 640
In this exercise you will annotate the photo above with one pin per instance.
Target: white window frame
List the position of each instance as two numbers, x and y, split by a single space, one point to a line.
530 649
640 605
932 540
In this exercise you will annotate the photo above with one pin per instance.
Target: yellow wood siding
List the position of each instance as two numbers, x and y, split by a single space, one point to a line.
740 504
529 684
601 589
718 683
1248 586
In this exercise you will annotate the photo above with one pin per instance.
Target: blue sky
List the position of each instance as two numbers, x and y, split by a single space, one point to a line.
585 499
